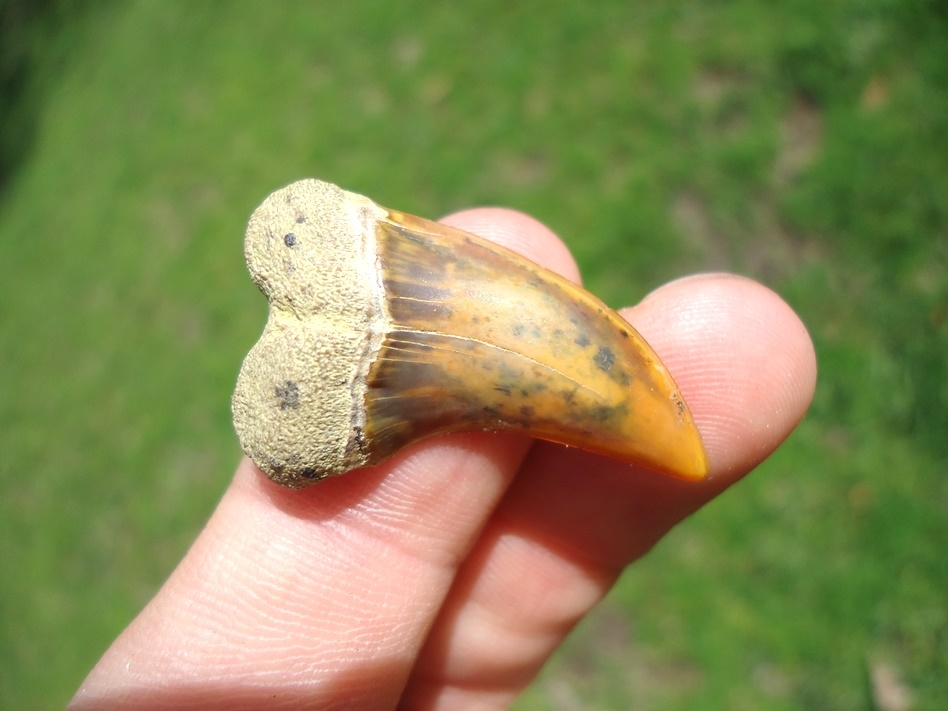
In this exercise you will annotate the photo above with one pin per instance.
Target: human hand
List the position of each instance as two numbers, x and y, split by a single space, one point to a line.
445 577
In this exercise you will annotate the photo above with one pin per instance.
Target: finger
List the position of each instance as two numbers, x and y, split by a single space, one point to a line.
323 597
572 521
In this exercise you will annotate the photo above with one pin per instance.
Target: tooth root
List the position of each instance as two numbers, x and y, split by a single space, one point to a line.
385 329
484 339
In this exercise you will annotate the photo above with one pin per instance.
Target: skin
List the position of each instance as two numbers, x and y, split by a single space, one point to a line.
444 578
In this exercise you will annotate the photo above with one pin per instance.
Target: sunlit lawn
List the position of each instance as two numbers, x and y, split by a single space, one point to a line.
803 143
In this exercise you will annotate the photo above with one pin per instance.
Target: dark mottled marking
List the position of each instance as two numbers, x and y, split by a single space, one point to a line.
603 413
537 386
518 330
289 239
308 473
440 253
289 395
527 411
582 341
360 439
300 219
505 389
625 334
605 359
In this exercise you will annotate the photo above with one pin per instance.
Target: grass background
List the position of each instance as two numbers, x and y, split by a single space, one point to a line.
804 143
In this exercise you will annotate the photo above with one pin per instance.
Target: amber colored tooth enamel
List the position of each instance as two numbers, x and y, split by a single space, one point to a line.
386 329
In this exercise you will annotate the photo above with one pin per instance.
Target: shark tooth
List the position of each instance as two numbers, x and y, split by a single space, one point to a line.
386 329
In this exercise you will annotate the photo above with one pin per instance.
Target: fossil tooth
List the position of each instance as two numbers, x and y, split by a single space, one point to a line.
385 329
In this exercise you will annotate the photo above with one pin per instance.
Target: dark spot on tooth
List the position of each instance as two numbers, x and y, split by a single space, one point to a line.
508 374
289 395
603 414
582 341
537 385
604 359
308 473
289 239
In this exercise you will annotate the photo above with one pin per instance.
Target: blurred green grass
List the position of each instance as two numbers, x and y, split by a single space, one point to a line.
803 143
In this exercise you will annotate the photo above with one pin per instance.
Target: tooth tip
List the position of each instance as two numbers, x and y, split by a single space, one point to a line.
684 459
696 471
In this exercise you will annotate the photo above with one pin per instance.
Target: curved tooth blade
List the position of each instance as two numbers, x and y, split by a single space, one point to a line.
484 339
